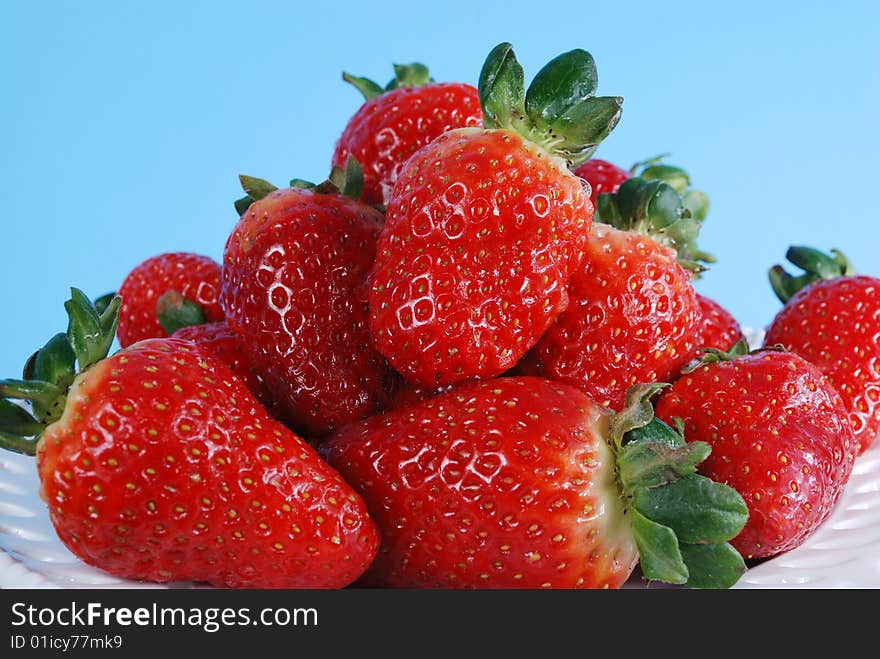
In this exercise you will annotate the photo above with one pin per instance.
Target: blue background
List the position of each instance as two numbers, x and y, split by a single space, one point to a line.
124 125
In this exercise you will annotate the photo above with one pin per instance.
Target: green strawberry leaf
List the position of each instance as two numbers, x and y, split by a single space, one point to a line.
559 112
256 188
54 363
656 431
242 204
656 209
659 554
90 334
650 464
348 181
365 86
27 373
577 133
49 372
409 75
670 174
103 302
716 565
16 420
696 508
174 311
697 203
563 83
502 88
715 355
17 444
39 393
815 264
637 411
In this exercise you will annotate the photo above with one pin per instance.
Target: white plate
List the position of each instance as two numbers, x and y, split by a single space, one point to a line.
843 553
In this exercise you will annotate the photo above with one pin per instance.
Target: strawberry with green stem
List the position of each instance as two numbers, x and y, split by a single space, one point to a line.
831 318
634 314
157 464
194 278
486 225
295 292
779 436
527 483
397 120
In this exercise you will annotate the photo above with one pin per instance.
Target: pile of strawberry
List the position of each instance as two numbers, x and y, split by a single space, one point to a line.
471 358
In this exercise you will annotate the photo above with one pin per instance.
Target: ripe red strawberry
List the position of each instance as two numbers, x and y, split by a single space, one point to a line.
402 393
633 315
485 226
604 177
526 483
157 464
717 328
831 318
221 342
779 437
195 277
396 121
294 291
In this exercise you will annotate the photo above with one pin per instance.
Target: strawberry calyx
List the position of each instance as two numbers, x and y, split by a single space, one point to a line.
681 521
737 350
559 111
415 74
815 264
695 201
654 208
175 311
49 372
347 181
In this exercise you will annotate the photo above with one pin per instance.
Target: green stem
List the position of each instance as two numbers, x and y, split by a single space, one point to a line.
815 264
175 311
18 444
559 110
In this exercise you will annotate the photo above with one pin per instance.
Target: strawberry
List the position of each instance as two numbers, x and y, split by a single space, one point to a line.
717 328
633 315
223 344
831 318
526 483
396 121
486 225
194 277
604 177
157 464
294 291
779 436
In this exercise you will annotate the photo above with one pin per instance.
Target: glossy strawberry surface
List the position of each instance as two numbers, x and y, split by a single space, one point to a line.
388 129
835 324
604 177
294 291
482 234
717 328
507 483
163 467
632 318
221 342
195 277
779 436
